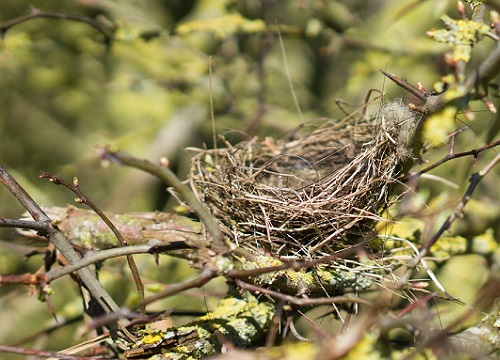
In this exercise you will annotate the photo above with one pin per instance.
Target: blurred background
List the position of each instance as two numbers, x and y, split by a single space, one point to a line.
266 66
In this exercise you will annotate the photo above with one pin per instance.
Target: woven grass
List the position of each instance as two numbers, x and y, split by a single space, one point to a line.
316 191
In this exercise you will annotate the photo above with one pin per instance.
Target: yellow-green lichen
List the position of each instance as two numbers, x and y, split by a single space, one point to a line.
297 351
223 26
152 336
438 126
448 246
259 262
484 243
240 320
365 348
461 35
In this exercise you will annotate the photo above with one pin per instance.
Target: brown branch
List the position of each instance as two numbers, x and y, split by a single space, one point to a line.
302 301
168 177
89 259
204 277
452 155
457 212
37 13
406 85
481 76
83 199
24 224
44 354
58 240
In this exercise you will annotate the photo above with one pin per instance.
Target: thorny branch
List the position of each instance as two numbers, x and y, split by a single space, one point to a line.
83 199
457 212
476 84
58 240
89 259
45 354
452 155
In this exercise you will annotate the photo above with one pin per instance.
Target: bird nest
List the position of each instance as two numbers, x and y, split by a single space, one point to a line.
317 191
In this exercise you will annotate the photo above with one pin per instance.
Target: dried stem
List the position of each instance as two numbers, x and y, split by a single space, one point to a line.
452 155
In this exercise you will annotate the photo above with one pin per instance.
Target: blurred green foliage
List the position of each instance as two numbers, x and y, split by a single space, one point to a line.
65 93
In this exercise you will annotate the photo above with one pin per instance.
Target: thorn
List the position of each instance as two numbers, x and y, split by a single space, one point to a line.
407 86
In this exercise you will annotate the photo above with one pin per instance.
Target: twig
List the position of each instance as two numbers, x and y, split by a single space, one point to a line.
451 156
205 276
481 76
83 199
302 302
44 354
37 13
474 181
58 240
295 265
168 177
407 86
24 224
88 259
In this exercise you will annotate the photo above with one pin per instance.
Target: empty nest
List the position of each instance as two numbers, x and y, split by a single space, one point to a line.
317 191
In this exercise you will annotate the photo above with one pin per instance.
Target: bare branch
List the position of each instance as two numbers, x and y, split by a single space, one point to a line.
37 13
303 302
24 224
59 241
168 177
205 276
89 259
474 181
82 198
451 156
